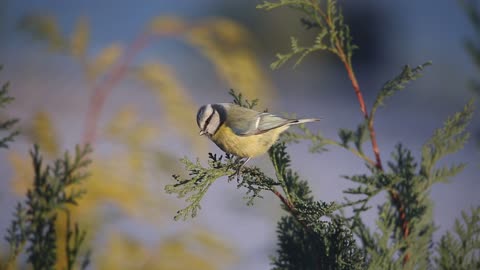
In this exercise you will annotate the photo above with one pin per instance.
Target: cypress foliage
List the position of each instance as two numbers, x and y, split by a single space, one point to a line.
320 235
33 226
6 125
460 249
54 189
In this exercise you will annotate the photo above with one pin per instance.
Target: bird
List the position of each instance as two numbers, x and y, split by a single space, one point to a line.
241 131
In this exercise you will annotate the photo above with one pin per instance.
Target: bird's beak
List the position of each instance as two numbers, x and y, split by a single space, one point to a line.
201 133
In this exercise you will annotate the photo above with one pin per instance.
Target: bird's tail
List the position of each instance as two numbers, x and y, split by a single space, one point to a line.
302 121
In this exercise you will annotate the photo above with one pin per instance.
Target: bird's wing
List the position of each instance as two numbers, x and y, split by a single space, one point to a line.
246 122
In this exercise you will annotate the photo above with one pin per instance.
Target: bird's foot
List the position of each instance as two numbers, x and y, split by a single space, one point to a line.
239 168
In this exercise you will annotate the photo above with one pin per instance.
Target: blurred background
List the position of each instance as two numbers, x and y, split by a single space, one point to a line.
128 77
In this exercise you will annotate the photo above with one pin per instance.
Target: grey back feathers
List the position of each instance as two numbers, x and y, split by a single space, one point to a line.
246 122
242 121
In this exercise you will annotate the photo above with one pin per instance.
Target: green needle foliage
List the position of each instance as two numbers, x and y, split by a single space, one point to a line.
55 187
329 246
322 235
449 139
406 226
201 178
472 45
398 83
333 36
460 250
6 125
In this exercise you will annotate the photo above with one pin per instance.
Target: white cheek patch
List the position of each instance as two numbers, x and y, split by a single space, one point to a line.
213 124
203 115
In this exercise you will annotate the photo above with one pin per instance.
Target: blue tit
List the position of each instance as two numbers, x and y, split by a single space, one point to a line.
240 131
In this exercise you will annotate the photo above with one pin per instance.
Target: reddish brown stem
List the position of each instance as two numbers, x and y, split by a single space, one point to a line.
104 87
290 207
356 88
293 212
363 109
373 138
403 218
286 202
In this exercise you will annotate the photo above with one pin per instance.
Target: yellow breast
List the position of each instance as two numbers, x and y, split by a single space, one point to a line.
245 146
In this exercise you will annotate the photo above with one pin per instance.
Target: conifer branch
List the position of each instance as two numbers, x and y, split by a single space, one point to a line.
6 125
75 239
412 183
289 207
285 202
34 220
319 142
460 249
334 36
16 236
338 41
389 88
363 108
102 89
407 75
446 140
405 226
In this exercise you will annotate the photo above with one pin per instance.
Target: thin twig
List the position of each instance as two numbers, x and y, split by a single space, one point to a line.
102 89
291 208
373 138
105 86
363 107
286 202
352 150
394 195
